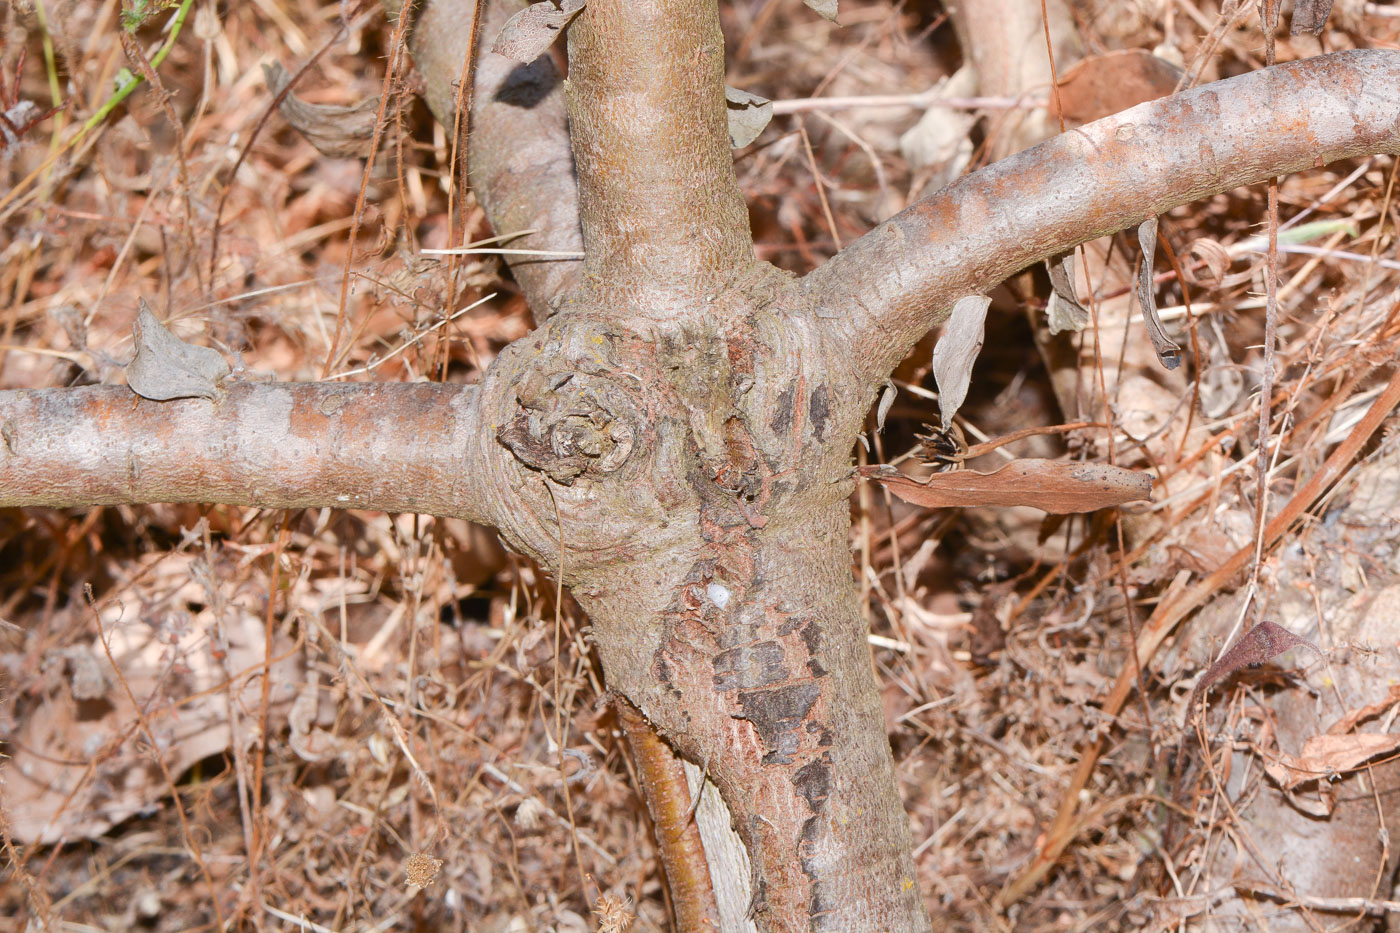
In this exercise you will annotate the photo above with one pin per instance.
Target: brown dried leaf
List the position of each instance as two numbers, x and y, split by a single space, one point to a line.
1168 352
336 131
1263 643
1100 85
1324 755
51 790
307 738
1352 717
528 33
1052 485
1216 257
165 367
956 352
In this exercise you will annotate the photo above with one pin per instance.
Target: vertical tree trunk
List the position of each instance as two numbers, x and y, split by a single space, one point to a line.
727 614
759 671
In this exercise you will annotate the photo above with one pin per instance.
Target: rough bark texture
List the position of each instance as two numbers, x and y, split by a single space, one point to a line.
714 565
685 421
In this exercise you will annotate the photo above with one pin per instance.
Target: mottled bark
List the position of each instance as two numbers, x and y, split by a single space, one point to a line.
382 446
518 156
890 286
713 562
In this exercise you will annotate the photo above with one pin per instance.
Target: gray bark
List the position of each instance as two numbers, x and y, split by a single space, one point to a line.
382 446
517 142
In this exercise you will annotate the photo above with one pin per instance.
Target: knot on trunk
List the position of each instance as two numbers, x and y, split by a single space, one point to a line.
569 424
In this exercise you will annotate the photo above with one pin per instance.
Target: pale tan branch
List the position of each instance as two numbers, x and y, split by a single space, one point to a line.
394 447
518 149
883 292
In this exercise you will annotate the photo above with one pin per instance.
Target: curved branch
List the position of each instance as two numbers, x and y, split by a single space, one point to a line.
518 149
393 447
662 210
884 291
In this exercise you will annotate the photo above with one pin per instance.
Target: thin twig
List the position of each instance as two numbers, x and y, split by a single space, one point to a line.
923 99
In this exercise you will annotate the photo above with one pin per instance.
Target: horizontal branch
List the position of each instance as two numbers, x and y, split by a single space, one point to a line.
393 447
883 292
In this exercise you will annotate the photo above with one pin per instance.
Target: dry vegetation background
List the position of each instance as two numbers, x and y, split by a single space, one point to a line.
425 680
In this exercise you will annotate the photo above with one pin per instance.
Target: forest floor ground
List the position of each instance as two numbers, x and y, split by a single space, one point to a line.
424 674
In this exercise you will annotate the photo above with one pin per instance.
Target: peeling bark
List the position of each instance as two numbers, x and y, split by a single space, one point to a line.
714 566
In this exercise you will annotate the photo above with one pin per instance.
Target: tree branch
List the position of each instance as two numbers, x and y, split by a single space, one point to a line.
887 289
662 212
518 148
394 447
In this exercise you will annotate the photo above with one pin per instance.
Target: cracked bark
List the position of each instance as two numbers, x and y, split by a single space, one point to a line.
691 414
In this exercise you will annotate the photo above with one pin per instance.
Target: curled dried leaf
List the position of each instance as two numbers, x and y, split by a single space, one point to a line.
336 131
887 397
527 34
1349 721
956 352
1052 485
1168 352
1326 755
165 367
1216 257
1263 643
748 115
1065 312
